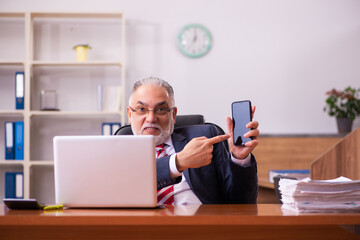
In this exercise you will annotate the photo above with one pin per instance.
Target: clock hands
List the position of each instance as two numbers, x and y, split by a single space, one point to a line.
195 36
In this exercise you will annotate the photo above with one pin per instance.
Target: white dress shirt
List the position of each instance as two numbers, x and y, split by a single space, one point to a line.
183 195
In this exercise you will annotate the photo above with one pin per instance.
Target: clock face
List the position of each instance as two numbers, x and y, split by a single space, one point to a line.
194 40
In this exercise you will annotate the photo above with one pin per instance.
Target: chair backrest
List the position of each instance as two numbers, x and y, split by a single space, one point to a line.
181 121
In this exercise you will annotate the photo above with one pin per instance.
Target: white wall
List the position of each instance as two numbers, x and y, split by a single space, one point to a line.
281 54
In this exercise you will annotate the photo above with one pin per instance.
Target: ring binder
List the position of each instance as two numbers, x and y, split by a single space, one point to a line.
19 90
106 129
19 140
9 141
14 185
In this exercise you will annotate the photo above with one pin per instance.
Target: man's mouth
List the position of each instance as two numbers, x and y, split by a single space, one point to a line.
151 130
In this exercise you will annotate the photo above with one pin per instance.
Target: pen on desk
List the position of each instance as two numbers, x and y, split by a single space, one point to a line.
53 207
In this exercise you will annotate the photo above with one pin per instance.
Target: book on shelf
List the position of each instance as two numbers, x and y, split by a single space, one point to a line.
14 140
335 195
14 185
112 98
109 128
100 97
292 173
19 90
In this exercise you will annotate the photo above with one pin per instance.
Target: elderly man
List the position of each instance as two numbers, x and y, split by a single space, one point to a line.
193 164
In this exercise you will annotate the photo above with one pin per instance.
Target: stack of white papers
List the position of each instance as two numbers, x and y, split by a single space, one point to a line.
336 195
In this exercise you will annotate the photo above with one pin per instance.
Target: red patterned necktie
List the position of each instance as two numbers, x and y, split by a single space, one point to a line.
166 194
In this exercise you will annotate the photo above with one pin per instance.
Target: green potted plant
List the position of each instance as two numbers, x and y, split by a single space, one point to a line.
345 106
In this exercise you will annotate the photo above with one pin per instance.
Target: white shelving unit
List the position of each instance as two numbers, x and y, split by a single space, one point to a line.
40 44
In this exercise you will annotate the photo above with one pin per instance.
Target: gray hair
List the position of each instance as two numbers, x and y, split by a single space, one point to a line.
154 81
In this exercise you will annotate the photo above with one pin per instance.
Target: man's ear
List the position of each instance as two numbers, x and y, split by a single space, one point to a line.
129 112
174 113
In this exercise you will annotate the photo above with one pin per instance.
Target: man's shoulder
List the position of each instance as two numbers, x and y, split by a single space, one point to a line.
207 130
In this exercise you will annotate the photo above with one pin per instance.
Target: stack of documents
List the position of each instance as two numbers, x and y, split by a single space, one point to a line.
336 195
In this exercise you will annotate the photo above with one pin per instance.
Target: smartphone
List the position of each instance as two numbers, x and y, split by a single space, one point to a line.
242 115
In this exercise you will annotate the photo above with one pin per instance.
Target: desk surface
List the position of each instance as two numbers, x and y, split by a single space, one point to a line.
256 214
210 219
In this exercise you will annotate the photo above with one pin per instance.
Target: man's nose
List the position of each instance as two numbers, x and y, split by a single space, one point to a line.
151 117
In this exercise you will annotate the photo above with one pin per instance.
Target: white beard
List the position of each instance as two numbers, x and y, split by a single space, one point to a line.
164 134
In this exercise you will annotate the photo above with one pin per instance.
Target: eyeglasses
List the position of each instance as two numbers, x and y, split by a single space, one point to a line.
159 111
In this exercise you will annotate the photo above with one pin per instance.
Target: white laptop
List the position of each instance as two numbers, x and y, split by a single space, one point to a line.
105 171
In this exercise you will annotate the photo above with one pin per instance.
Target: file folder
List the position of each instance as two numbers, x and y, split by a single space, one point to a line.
115 127
9 141
19 140
14 185
106 129
19 89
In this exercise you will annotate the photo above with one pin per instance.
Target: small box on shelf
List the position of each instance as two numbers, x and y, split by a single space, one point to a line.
48 100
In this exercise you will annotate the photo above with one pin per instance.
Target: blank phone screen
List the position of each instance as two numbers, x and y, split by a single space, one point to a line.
241 113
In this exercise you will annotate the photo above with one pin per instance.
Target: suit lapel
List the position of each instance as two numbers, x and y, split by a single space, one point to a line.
179 142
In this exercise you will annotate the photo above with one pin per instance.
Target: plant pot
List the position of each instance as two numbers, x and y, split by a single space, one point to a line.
81 52
344 125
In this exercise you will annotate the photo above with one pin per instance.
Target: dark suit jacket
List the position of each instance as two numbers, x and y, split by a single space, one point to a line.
220 182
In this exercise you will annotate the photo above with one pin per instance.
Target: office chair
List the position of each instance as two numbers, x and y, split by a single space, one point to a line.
181 121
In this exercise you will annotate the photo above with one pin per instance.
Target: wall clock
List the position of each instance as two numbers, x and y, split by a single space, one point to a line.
194 40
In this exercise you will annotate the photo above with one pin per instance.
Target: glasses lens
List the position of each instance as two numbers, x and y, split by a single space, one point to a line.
141 110
161 111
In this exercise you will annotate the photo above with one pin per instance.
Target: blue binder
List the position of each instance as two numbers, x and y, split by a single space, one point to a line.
19 89
9 141
19 140
14 185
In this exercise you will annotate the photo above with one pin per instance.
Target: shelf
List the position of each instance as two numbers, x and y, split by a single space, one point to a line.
11 113
41 163
72 63
11 162
75 15
12 14
41 45
72 113
31 162
11 62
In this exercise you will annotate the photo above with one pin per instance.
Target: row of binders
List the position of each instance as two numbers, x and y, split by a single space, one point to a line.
14 140
14 185
110 128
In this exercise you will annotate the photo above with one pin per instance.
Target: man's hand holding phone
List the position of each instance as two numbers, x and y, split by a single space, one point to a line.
242 151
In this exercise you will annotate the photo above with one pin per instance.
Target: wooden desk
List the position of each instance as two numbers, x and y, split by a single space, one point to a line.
262 221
